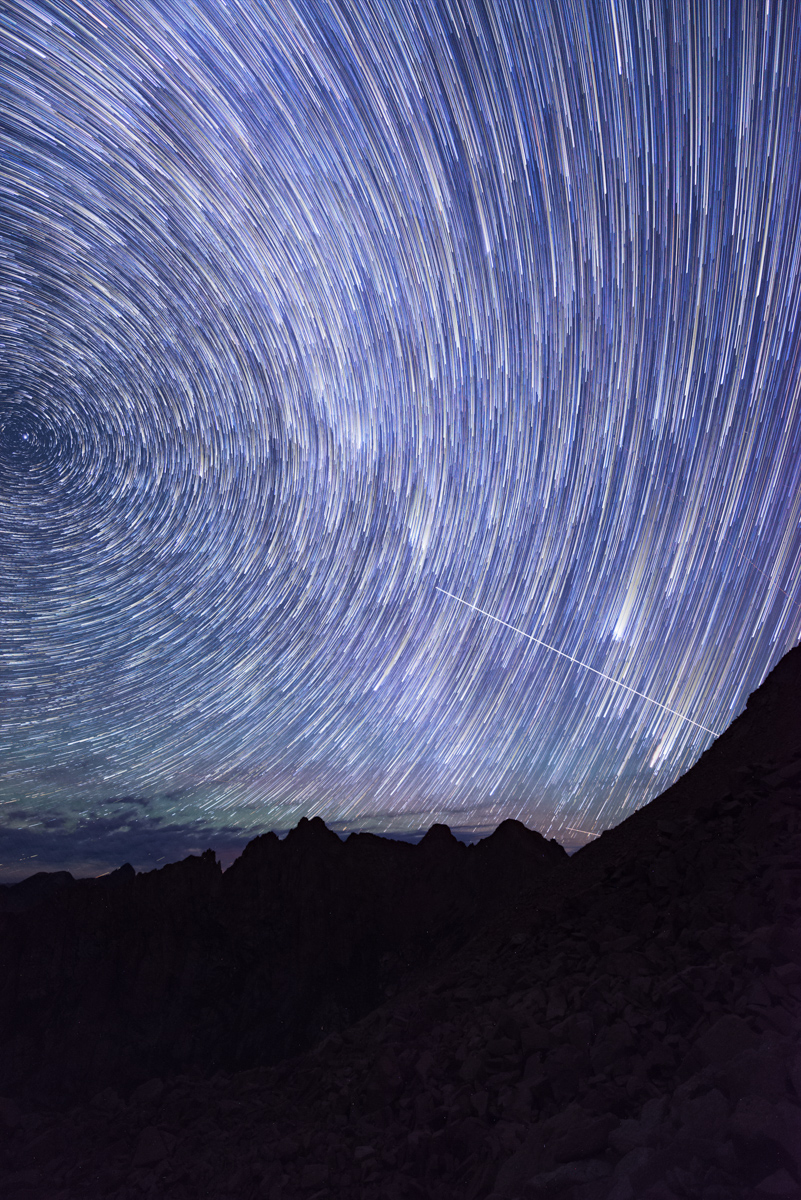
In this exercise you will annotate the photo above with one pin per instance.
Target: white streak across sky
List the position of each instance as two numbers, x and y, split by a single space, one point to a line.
583 666
312 312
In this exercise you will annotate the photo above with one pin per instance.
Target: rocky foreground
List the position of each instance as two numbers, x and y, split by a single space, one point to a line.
625 1027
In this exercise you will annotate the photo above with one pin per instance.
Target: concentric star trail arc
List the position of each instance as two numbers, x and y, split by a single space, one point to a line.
306 304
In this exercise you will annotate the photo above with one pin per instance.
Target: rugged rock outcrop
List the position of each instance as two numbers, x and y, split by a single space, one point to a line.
119 979
35 889
627 1029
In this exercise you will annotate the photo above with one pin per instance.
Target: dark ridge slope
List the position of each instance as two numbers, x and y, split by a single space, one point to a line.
758 751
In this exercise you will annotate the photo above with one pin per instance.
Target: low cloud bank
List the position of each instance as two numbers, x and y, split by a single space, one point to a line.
102 841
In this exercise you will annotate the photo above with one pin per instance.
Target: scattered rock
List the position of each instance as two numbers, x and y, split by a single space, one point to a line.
153 1146
780 1183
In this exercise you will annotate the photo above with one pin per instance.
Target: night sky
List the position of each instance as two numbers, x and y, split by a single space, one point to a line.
308 311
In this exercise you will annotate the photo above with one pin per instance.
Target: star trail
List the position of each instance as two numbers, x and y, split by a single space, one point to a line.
317 315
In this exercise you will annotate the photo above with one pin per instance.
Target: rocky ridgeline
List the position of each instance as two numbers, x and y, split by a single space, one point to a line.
113 981
626 1028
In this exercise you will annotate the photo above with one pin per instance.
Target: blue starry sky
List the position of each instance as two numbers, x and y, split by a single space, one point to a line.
310 310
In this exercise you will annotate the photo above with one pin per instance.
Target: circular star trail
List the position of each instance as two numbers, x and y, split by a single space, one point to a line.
310 310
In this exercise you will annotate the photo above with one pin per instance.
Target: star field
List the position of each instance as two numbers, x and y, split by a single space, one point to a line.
310 310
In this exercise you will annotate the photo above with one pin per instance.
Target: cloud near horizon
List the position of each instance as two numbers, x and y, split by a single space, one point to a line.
101 842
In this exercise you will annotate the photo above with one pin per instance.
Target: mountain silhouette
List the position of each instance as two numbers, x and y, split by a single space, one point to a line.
369 1019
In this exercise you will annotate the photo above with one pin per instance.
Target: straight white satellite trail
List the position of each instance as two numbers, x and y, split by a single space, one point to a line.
577 661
